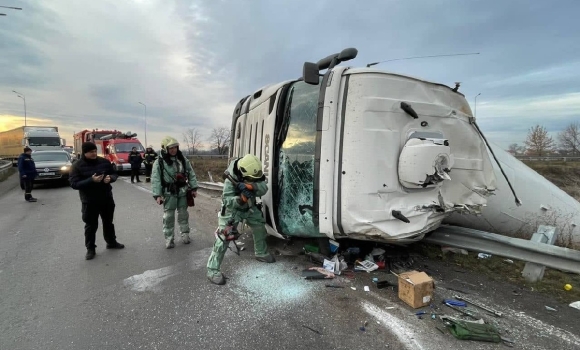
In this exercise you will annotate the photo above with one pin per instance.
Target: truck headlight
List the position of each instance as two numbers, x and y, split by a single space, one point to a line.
64 168
121 160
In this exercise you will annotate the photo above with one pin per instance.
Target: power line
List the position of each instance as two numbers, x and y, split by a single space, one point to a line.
410 58
9 7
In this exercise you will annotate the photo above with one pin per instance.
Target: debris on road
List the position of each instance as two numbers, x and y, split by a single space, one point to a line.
472 330
481 306
416 288
314 330
317 273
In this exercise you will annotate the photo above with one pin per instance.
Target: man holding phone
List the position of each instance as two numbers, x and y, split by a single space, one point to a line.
92 177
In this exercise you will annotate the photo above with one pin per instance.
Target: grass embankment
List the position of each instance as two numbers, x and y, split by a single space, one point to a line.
565 175
215 166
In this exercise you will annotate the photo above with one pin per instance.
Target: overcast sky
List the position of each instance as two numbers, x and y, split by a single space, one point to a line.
86 64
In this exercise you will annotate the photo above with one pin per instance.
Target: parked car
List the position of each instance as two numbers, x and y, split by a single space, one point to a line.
52 166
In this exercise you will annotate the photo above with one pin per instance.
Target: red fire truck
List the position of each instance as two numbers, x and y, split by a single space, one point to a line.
112 145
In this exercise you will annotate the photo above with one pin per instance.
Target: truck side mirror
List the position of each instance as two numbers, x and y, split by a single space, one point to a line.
310 73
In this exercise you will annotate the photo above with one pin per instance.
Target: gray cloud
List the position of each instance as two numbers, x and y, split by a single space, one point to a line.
89 63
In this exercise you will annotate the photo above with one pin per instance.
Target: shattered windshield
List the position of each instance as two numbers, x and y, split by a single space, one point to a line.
296 161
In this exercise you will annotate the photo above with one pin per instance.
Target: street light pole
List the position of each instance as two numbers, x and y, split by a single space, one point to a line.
146 145
24 98
475 106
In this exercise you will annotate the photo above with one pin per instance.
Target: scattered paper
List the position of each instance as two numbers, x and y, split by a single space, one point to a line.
366 265
367 289
353 288
328 265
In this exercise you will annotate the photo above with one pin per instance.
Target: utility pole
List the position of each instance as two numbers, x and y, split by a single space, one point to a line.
146 145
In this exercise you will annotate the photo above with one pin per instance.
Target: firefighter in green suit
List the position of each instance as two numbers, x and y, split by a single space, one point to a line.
172 176
238 203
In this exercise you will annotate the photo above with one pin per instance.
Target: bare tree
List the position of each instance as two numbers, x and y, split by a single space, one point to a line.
220 139
539 142
570 138
194 139
516 149
186 140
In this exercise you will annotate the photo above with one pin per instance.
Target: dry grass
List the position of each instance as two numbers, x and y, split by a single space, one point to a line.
202 166
565 175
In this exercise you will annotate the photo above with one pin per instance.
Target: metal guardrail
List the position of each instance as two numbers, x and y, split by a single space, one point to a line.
514 248
214 186
5 165
549 158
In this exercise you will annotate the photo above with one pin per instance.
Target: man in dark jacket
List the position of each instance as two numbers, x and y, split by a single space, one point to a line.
135 160
92 177
27 172
150 157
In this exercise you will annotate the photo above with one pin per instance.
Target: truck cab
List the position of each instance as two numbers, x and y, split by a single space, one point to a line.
362 153
117 147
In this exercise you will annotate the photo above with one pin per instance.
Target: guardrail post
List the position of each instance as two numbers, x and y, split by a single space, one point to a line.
546 234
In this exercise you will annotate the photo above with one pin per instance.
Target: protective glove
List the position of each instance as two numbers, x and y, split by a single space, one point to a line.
242 186
248 194
246 190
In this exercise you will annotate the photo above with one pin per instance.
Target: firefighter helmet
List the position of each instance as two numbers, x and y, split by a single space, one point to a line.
168 142
251 167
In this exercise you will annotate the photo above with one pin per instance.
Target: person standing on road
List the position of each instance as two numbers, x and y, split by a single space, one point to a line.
92 177
150 158
135 160
172 178
27 172
238 203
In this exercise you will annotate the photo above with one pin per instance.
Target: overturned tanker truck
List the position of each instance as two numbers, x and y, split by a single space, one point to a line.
367 154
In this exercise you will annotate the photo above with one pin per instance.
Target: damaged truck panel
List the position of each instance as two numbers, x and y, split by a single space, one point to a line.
394 166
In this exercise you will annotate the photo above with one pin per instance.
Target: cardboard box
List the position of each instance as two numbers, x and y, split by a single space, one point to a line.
416 288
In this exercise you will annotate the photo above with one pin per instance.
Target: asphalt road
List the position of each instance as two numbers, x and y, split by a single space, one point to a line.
148 297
